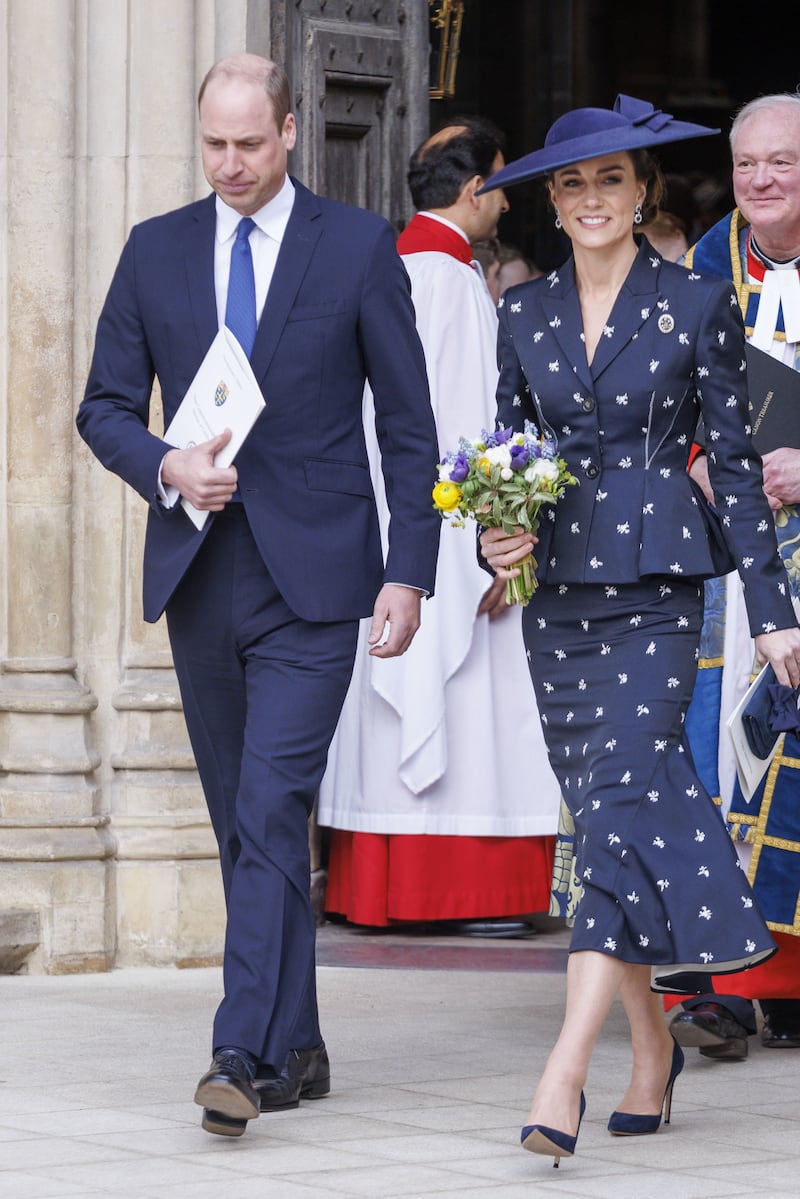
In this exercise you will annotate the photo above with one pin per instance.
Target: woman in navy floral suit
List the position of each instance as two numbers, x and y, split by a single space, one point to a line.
617 354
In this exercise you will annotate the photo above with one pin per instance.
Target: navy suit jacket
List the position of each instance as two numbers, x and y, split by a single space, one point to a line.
338 311
673 348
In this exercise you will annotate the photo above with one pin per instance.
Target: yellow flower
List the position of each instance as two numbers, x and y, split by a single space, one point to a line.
446 496
485 465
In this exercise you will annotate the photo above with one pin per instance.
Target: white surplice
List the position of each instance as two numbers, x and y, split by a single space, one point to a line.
445 740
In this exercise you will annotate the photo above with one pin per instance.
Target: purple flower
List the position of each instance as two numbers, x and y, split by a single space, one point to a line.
520 455
459 469
501 436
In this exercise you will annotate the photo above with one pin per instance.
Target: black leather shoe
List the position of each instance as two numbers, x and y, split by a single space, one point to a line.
712 1029
778 1035
306 1075
227 1091
223 1126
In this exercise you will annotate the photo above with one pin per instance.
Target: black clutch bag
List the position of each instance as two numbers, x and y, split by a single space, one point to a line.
772 710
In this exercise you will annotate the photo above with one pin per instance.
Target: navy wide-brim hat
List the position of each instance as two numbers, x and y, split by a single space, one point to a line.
593 132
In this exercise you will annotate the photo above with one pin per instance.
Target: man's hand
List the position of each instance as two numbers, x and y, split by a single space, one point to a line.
782 477
494 600
699 472
399 607
199 481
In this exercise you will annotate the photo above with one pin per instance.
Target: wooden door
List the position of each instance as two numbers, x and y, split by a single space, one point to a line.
359 74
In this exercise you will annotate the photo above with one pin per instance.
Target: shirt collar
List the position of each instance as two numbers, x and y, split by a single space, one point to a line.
271 219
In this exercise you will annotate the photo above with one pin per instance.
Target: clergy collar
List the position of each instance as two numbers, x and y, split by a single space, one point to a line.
774 264
426 232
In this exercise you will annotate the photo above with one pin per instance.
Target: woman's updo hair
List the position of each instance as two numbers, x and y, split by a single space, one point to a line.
648 172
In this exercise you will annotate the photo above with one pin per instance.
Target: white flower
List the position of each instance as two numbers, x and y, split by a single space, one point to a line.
541 469
499 455
506 473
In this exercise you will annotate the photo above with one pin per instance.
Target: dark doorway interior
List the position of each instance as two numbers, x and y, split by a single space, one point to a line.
524 62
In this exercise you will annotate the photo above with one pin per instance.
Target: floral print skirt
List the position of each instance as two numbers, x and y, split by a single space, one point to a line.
655 878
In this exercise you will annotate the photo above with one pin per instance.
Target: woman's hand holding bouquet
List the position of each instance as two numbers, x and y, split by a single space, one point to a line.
501 480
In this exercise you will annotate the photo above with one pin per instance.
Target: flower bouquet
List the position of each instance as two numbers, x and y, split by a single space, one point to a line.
501 480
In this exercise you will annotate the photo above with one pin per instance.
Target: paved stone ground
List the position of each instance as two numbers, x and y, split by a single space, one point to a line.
435 1043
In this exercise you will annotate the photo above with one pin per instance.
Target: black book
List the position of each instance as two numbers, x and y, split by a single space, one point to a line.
774 402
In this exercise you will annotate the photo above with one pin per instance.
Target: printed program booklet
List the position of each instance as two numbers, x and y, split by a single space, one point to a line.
224 394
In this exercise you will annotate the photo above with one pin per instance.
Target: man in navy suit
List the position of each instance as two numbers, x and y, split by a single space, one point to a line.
263 602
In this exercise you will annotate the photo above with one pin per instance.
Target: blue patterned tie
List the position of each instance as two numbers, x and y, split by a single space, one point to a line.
240 309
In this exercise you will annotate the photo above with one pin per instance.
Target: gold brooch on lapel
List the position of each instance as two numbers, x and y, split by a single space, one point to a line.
666 323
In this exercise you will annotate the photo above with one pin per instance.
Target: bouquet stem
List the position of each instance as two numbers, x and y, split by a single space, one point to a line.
520 589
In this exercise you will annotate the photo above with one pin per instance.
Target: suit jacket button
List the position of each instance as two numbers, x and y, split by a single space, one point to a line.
592 471
587 404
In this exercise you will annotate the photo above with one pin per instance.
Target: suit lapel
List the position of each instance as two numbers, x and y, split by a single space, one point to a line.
199 259
637 298
302 234
562 312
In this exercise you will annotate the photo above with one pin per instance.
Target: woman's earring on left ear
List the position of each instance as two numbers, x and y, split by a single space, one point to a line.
637 215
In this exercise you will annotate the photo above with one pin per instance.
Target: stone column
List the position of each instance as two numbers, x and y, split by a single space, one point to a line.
138 158
54 836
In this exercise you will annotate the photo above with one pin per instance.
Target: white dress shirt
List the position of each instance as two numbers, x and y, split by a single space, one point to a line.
265 242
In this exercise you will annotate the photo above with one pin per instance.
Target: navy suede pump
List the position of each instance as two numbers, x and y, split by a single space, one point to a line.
624 1124
538 1138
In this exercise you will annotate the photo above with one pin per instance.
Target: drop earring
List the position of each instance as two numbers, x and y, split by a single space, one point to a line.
558 219
637 215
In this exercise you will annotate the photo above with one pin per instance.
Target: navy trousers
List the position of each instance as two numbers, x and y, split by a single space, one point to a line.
262 691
